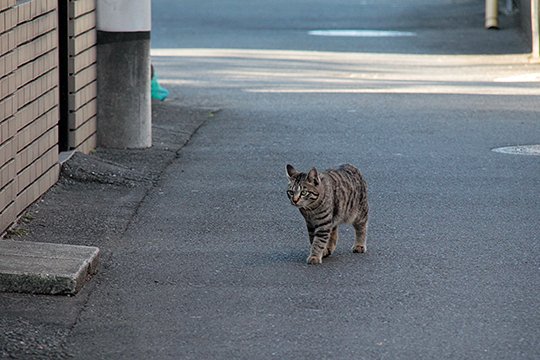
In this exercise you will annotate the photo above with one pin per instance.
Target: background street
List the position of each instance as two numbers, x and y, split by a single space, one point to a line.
212 266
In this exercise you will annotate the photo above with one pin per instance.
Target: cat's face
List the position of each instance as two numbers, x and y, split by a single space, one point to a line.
303 188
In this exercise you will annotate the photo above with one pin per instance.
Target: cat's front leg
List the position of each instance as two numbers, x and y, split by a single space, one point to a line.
311 234
318 247
314 260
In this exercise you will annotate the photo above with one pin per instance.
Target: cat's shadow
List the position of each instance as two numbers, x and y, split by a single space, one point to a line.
293 257
285 256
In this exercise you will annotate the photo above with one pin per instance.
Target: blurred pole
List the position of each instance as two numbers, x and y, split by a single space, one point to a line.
123 59
492 14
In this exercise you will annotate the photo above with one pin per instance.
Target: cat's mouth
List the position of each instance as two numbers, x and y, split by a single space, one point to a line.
296 204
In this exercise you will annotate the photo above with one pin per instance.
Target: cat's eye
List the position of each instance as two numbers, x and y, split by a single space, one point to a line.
304 193
290 192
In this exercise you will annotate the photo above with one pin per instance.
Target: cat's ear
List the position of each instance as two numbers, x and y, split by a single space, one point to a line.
313 176
291 171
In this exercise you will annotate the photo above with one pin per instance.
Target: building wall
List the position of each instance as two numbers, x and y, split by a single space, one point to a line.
29 106
82 85
30 96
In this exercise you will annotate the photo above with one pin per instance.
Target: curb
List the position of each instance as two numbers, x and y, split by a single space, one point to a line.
44 268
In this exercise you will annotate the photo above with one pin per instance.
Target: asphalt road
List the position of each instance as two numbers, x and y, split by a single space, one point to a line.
213 265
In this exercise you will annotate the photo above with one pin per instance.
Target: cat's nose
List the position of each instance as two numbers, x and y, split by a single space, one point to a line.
295 199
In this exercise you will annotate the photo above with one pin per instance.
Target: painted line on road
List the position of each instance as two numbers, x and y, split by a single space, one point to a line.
519 150
360 33
528 77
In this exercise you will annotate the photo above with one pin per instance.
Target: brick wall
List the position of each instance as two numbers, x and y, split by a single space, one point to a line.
30 96
29 104
82 86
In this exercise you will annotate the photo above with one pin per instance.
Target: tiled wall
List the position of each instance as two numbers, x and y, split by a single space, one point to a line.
29 104
82 75
30 96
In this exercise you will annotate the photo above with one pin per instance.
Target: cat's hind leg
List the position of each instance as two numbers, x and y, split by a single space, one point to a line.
360 229
332 242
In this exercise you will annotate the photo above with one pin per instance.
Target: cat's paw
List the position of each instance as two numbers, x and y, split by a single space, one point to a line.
314 260
359 249
327 252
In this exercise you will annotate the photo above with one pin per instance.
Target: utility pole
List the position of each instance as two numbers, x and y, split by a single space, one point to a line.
124 117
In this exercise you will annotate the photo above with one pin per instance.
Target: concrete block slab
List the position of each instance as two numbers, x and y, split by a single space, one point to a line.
43 268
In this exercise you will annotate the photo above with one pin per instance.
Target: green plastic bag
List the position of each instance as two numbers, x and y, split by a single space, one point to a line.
158 92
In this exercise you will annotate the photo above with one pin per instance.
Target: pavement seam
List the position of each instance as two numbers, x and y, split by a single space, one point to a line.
175 155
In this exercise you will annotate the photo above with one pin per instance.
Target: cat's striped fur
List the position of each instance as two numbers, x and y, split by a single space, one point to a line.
326 200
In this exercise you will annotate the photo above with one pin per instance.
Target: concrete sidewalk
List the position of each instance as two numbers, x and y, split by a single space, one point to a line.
55 247
61 265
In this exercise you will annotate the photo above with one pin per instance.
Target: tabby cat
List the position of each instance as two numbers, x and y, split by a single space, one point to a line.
326 200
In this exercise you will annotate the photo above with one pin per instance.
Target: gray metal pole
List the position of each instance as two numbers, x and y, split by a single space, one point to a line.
123 74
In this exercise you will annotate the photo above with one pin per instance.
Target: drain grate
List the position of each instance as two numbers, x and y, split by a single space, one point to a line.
519 150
